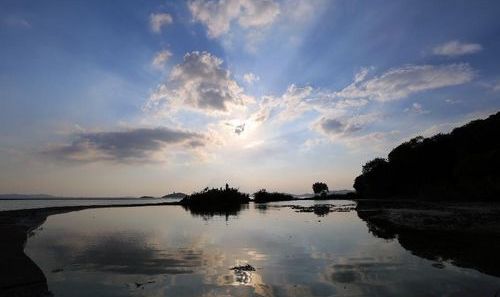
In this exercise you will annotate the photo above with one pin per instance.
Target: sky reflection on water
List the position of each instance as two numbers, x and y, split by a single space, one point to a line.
165 251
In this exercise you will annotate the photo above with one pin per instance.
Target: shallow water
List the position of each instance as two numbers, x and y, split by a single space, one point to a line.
13 204
166 251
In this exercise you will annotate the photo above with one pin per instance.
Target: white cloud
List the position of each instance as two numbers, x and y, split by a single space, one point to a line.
452 101
158 20
496 86
402 82
456 48
17 22
199 83
250 78
218 15
303 10
416 108
161 59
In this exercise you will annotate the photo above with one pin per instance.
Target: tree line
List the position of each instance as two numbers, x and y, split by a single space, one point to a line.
461 165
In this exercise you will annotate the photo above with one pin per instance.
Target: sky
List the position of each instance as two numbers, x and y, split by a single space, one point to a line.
128 98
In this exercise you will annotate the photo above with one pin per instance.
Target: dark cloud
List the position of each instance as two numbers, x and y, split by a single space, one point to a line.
239 129
345 126
123 146
334 126
331 125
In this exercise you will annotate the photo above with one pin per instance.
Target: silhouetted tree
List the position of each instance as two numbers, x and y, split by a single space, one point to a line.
319 187
464 164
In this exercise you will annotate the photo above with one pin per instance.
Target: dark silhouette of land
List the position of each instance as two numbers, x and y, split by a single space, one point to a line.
461 165
465 234
438 196
262 196
216 201
175 195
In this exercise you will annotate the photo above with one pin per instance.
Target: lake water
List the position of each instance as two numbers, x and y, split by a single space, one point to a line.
167 251
13 204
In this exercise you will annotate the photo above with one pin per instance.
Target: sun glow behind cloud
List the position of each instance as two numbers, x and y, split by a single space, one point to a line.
249 91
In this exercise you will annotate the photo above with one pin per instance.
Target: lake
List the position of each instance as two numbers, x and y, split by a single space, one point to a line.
296 250
32 203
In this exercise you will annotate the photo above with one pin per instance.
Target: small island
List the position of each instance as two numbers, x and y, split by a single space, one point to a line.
216 201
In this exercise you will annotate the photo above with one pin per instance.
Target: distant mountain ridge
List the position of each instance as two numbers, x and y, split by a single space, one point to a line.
175 195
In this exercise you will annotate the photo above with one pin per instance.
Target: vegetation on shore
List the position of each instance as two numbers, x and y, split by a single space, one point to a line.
461 165
262 196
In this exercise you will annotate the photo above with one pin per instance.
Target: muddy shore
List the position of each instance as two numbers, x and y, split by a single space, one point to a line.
459 233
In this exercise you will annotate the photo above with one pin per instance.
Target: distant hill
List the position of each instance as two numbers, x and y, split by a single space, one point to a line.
25 196
175 195
461 165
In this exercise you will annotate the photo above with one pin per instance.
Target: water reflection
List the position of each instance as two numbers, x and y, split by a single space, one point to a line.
208 212
164 251
319 209
478 250
115 254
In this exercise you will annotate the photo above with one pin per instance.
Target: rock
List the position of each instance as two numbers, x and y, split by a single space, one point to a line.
247 267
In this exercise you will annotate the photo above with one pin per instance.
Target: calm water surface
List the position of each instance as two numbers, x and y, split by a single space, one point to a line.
13 204
166 251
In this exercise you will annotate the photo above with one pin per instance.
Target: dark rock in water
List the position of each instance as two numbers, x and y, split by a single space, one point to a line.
438 265
247 267
57 270
141 285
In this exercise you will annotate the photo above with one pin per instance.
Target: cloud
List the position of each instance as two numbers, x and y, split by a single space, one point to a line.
199 83
161 59
496 87
456 48
141 144
239 129
158 20
303 10
340 127
402 82
416 108
293 103
218 15
250 78
17 22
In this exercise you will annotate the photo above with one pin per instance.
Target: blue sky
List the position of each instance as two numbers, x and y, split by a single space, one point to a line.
132 97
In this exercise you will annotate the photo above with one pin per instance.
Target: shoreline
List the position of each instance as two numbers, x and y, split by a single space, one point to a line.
466 234
20 275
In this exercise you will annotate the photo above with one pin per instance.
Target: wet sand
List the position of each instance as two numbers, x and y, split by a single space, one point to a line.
20 276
